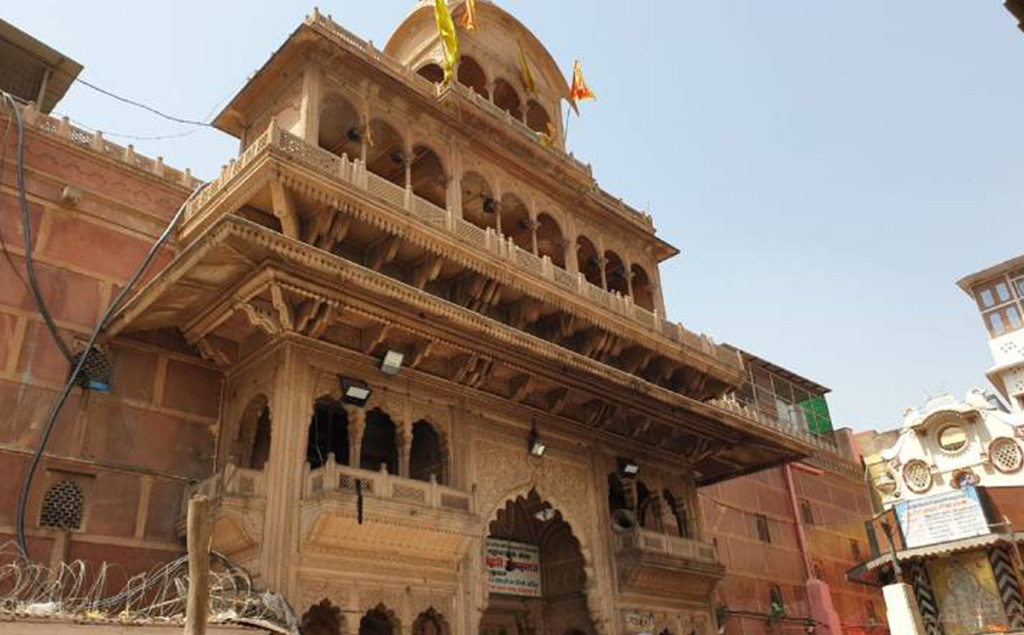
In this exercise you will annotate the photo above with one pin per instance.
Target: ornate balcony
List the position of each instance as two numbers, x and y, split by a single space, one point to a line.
653 563
364 511
239 499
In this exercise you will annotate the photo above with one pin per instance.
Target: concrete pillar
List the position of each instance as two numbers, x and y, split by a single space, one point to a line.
902 611
820 599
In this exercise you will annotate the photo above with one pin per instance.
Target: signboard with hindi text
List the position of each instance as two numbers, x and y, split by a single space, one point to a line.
513 568
942 518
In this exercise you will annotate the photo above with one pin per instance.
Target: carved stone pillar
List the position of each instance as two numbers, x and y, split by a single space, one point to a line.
404 433
356 427
309 110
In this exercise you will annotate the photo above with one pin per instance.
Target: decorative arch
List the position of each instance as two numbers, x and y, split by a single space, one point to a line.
321 619
380 621
250 448
615 273
507 98
385 153
643 288
428 455
472 75
549 240
516 222
537 118
589 261
681 513
429 179
380 442
478 203
431 72
329 434
341 127
430 622
574 519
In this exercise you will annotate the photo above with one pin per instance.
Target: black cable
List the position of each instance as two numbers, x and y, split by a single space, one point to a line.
26 232
70 383
189 122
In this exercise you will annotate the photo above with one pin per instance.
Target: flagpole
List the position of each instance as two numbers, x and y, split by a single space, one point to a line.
565 130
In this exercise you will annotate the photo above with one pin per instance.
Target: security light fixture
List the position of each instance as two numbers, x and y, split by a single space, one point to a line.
392 363
537 446
628 467
355 392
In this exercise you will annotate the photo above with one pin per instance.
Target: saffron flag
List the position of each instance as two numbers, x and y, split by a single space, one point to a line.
449 40
525 74
468 19
579 91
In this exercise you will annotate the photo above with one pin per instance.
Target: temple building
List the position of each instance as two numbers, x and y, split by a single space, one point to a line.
415 355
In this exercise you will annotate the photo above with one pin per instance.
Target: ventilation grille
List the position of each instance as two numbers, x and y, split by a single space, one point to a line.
918 476
1006 455
63 506
96 373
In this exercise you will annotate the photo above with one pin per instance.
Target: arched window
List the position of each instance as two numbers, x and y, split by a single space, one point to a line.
328 434
806 511
385 154
615 273
506 98
589 260
618 495
478 204
432 73
549 240
341 131
426 457
648 512
379 443
680 513
430 622
643 288
251 446
516 223
63 506
429 180
536 117
473 76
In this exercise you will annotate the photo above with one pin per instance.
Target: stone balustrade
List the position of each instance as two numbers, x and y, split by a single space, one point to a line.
231 482
658 543
334 479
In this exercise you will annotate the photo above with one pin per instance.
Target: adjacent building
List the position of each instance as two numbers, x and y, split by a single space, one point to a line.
949 486
414 353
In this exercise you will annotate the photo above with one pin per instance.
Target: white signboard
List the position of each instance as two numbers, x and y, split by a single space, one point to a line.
513 568
942 518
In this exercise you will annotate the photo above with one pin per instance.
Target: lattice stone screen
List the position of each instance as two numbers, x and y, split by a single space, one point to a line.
63 506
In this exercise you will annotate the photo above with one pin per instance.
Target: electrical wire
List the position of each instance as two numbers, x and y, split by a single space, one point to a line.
26 232
188 122
70 383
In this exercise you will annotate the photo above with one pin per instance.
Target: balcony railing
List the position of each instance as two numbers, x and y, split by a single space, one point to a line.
731 403
486 240
664 544
334 479
231 482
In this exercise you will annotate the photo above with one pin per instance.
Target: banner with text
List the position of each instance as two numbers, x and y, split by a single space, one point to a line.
513 568
942 518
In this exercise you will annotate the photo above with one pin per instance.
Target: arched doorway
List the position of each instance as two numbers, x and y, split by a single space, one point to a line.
536 573
378 621
321 619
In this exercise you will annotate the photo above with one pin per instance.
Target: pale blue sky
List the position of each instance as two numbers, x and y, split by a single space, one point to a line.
829 169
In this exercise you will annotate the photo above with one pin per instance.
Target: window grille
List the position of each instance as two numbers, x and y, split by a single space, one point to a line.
63 506
918 476
763 532
96 373
1005 455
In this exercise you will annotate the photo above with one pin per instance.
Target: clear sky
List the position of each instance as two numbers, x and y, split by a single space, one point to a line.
829 169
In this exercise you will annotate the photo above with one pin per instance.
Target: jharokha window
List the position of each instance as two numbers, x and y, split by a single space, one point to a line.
1000 304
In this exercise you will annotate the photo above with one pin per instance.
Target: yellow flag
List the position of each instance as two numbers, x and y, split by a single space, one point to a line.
468 19
547 139
449 40
524 72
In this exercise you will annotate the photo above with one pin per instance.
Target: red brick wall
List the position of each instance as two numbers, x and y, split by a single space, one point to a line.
136 448
840 505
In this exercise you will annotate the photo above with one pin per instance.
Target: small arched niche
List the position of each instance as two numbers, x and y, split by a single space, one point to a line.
515 221
615 273
341 130
427 455
478 204
385 155
643 288
471 74
380 443
429 180
589 260
433 73
506 98
549 240
537 118
251 447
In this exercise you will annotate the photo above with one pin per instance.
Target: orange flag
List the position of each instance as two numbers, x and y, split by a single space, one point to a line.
468 19
525 74
579 91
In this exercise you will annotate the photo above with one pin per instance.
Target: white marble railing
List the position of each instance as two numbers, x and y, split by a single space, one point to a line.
657 542
340 479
